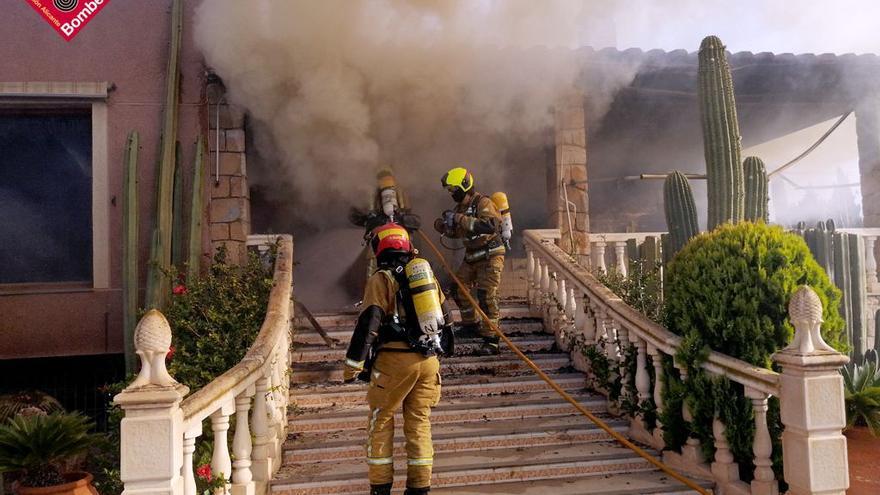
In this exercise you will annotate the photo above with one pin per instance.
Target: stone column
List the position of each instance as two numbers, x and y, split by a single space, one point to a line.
812 406
151 443
571 170
868 133
230 197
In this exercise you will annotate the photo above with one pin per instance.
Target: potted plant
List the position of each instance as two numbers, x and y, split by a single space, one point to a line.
36 446
862 398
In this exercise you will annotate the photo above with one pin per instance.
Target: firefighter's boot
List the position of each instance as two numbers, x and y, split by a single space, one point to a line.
417 491
489 347
381 489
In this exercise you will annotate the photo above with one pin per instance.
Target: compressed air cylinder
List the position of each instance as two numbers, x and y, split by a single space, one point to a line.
389 201
500 200
425 295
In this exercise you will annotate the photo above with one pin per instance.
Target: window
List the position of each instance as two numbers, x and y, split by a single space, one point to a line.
46 186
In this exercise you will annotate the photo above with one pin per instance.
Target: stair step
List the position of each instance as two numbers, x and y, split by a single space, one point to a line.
451 461
465 430
449 441
332 371
484 471
509 310
637 483
488 409
456 387
319 353
305 334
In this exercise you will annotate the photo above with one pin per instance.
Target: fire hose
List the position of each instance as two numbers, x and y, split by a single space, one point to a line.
565 395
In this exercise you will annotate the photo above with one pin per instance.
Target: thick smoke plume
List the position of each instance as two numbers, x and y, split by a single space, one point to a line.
343 86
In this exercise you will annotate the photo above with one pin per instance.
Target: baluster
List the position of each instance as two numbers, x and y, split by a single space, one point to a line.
550 310
278 405
261 459
574 311
643 379
622 349
659 377
242 478
723 469
764 481
221 464
871 264
562 303
189 447
599 249
530 277
545 287
620 257
691 449
588 328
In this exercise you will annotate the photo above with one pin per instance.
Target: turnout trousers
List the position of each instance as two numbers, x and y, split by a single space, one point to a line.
410 380
486 276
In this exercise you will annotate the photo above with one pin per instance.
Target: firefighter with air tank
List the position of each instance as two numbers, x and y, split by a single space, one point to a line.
395 346
484 225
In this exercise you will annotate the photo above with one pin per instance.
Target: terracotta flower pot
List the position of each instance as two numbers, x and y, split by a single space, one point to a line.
79 483
864 461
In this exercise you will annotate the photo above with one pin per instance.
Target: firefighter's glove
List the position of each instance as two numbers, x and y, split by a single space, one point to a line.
450 219
439 226
351 370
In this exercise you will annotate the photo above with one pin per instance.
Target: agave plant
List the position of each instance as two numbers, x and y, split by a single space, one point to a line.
37 445
11 405
862 394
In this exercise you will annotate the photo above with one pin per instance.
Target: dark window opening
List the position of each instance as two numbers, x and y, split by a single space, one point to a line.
45 196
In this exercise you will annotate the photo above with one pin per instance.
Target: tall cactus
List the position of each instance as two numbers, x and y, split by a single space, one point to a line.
681 214
195 214
130 250
756 203
157 286
721 137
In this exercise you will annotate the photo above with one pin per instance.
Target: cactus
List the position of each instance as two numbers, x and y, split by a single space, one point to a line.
721 138
858 297
756 200
130 250
681 214
160 259
177 240
195 214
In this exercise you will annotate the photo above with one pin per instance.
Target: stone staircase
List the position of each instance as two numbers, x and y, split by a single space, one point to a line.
498 427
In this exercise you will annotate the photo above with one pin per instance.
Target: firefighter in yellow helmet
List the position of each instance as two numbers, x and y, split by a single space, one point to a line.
477 221
395 346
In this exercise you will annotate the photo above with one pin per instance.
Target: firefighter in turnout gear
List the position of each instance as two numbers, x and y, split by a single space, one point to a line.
396 343
477 221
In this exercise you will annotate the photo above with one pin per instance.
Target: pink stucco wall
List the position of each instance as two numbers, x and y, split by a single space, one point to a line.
125 44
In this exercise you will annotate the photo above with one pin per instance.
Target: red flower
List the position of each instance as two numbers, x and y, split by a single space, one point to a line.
204 472
179 289
170 355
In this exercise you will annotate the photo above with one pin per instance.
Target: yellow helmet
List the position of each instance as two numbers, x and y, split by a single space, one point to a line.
458 179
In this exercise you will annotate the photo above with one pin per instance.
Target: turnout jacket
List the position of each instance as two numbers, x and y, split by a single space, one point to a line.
381 304
479 223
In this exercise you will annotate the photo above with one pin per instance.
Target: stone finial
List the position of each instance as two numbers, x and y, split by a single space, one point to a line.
805 312
152 341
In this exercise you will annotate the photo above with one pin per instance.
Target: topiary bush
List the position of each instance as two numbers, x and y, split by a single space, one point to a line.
728 291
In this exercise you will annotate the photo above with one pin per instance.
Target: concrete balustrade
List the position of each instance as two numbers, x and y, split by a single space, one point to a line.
809 387
161 425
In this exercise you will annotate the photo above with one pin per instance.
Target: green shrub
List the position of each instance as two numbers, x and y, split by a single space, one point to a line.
216 318
39 444
728 291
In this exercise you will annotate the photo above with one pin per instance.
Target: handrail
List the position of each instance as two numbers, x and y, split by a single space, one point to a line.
758 378
203 403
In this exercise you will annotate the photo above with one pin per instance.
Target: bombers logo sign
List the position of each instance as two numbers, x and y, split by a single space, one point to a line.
68 17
